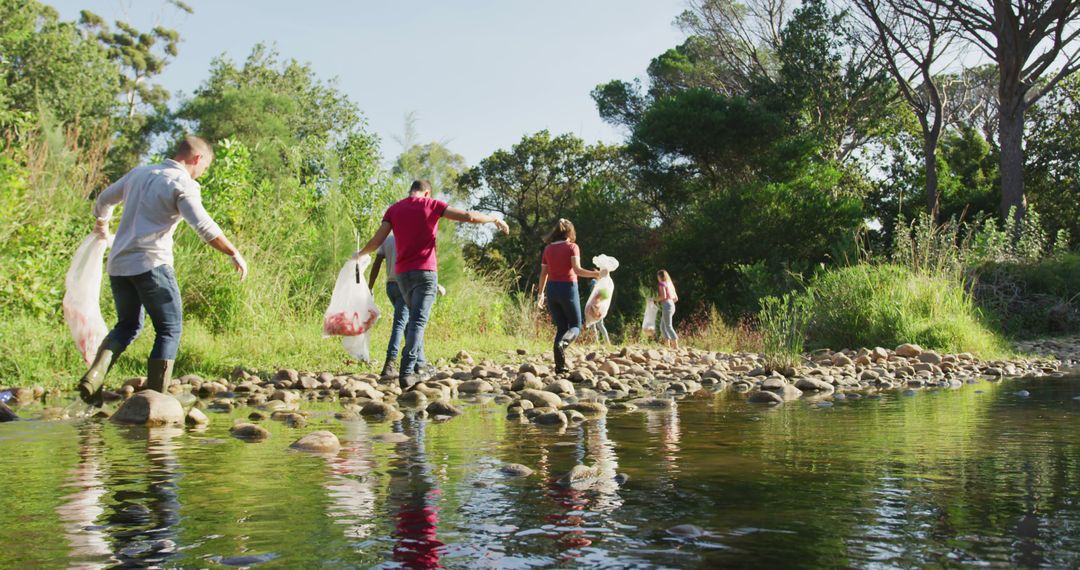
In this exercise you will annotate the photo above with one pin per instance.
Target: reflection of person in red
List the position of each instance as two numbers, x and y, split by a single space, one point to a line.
413 488
570 500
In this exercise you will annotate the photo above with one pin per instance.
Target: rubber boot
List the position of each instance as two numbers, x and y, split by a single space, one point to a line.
159 374
91 383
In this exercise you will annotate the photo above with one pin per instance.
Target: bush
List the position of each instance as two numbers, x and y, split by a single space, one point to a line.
1032 299
887 305
783 328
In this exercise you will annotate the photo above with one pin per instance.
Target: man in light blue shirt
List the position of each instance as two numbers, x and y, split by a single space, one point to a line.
155 198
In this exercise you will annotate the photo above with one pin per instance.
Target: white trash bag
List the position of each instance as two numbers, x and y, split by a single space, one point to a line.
82 297
352 310
648 324
600 298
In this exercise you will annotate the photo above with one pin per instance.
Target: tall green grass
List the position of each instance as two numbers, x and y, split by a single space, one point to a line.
887 305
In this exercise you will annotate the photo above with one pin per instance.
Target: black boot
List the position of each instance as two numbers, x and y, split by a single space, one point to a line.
159 374
388 369
560 358
569 337
91 383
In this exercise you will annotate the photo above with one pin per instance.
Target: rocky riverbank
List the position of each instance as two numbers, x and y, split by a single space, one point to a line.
621 380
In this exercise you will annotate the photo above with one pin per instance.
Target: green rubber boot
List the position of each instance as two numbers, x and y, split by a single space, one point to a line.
159 374
91 383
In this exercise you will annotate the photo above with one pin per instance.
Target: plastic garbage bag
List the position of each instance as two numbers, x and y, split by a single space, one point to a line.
605 262
600 298
648 324
352 311
82 296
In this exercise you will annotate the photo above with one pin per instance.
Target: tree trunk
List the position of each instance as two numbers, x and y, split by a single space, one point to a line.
1011 139
932 199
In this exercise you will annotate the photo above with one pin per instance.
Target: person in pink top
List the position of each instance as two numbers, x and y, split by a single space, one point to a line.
415 223
559 270
667 299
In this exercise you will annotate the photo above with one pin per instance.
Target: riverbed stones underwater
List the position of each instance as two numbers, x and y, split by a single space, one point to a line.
618 381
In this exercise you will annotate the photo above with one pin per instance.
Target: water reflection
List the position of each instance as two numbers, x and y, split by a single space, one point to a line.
352 484
125 509
414 491
81 509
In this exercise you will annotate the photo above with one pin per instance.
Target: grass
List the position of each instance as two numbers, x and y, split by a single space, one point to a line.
887 305
43 353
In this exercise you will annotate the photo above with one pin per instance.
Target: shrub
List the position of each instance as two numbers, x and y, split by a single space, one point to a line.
887 305
783 328
1031 299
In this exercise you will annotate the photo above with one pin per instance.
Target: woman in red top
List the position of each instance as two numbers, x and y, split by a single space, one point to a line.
667 299
559 270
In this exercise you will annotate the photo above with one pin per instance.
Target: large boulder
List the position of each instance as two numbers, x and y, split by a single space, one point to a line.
560 387
813 384
475 387
195 417
442 408
765 397
588 408
150 408
909 350
542 398
318 442
552 419
516 470
527 381
249 432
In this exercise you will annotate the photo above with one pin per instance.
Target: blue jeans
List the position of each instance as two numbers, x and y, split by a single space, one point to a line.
418 289
667 329
397 330
565 307
157 293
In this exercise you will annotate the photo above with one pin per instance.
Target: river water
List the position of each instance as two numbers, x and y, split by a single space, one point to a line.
973 476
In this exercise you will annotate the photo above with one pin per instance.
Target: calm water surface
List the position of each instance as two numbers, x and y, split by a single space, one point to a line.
975 476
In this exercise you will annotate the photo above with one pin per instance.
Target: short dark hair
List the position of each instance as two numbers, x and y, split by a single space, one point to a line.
420 186
191 145
564 230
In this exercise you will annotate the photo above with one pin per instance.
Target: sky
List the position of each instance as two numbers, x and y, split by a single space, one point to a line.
478 74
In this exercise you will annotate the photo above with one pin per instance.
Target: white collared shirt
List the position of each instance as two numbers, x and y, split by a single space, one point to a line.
155 198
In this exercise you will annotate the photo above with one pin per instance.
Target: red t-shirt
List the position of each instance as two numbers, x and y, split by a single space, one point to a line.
415 221
557 259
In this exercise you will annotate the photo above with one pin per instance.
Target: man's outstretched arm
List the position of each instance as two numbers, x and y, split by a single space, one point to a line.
459 215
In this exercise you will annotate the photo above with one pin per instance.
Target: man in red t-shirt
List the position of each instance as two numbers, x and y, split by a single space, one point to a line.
415 223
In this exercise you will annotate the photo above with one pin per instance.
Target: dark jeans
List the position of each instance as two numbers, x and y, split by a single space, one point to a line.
419 289
565 308
397 330
157 293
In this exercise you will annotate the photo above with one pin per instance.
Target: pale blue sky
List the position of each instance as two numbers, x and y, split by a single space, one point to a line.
478 73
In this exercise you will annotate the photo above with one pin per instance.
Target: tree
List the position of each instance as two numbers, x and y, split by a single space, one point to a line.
742 39
830 85
532 185
1053 158
49 67
910 39
292 121
1035 45
431 161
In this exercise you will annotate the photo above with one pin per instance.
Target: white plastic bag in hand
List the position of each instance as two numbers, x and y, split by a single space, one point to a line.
600 298
605 262
352 310
648 324
82 297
